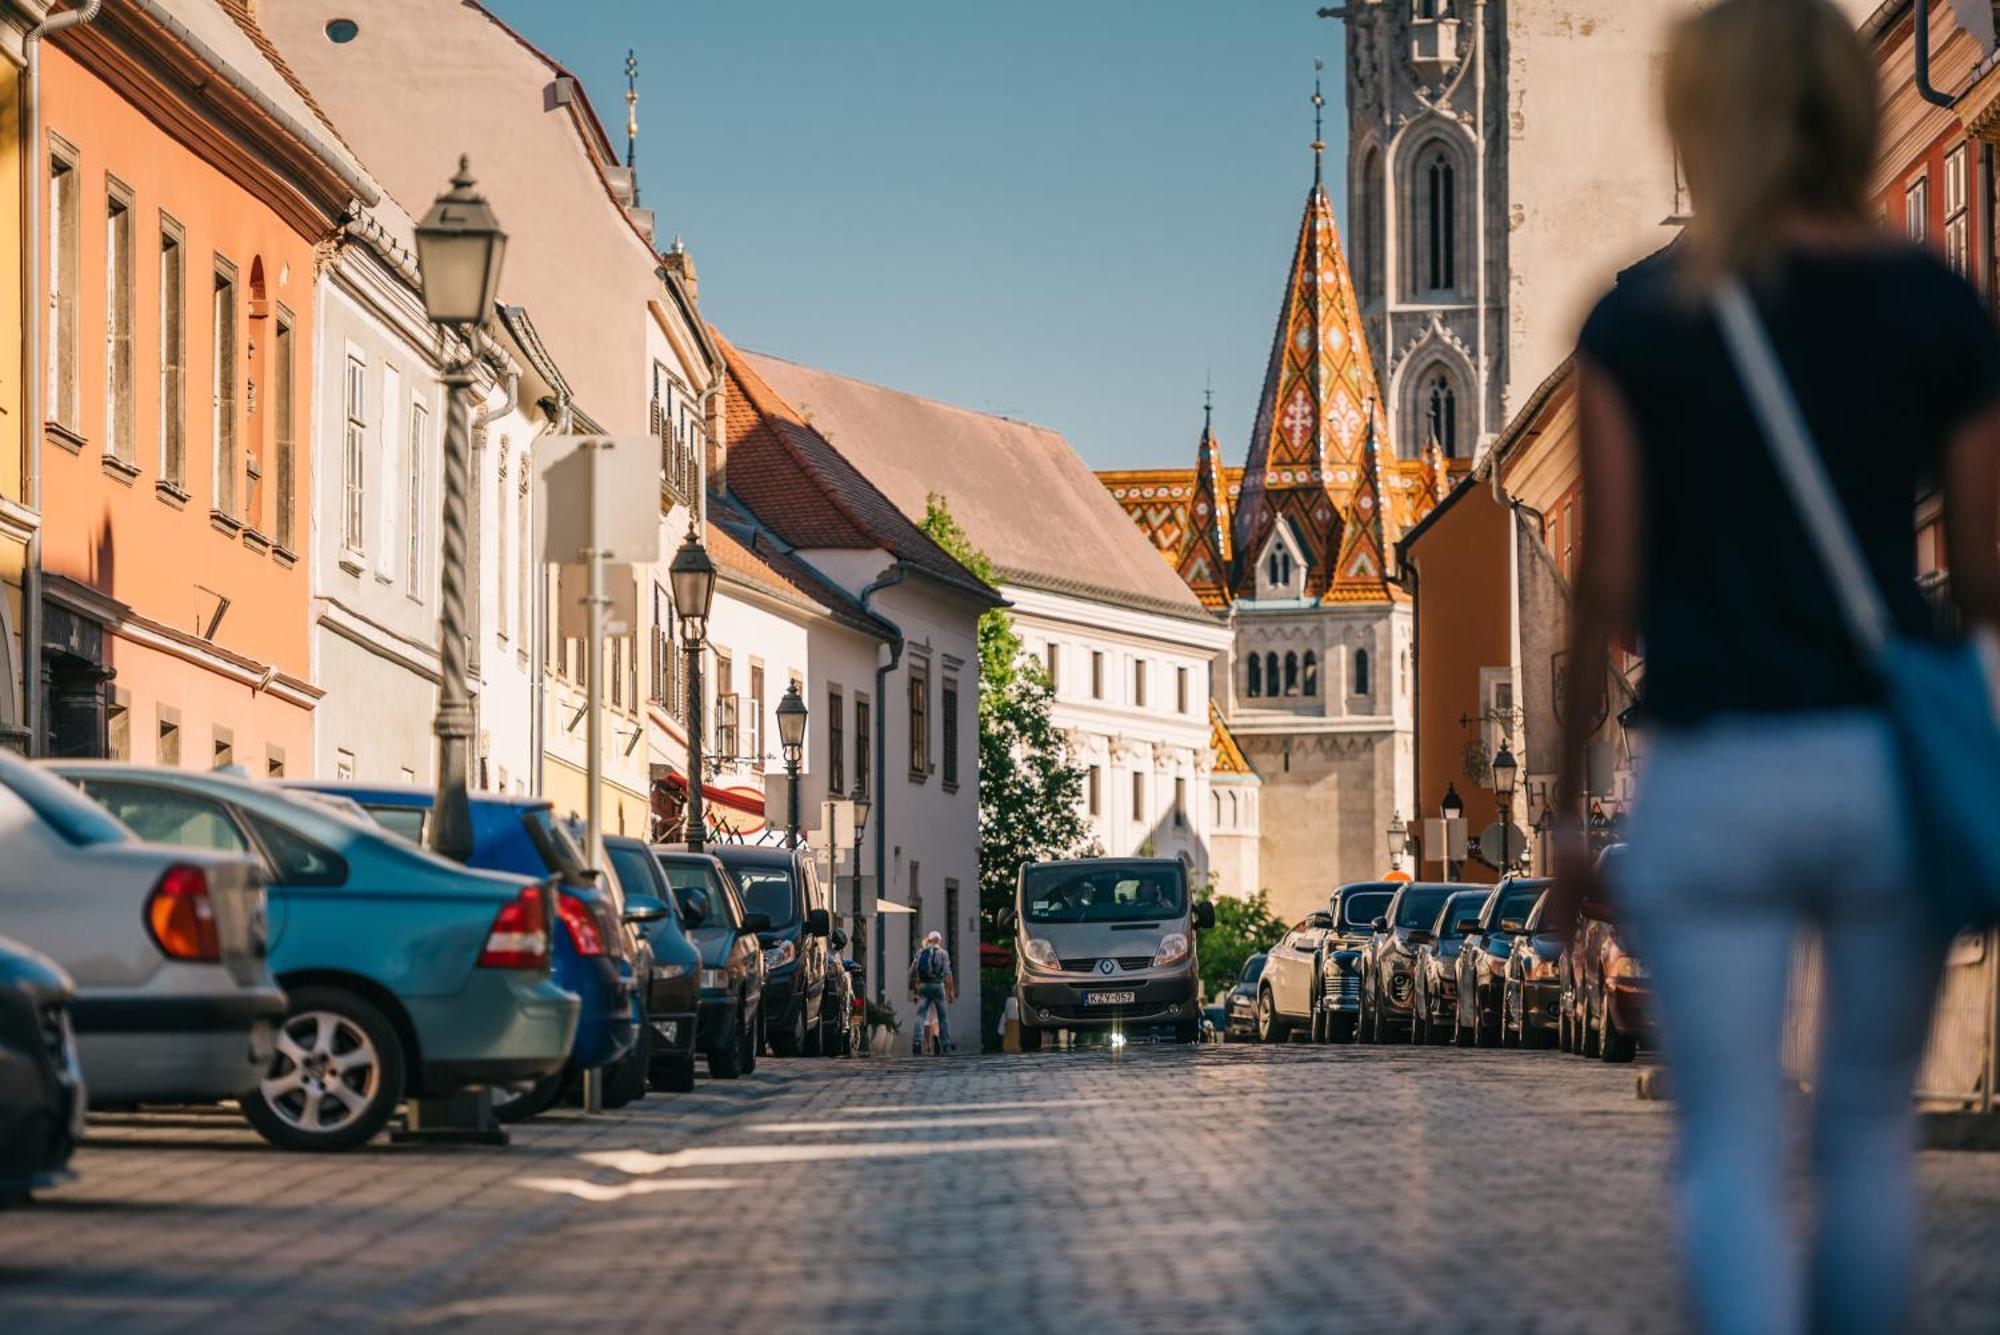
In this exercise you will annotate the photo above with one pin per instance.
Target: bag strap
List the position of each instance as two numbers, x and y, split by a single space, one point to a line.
1801 468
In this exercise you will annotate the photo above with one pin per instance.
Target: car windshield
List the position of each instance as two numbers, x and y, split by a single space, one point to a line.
1517 901
404 822
1358 910
559 852
767 890
691 875
1253 969
635 870
1104 892
1420 905
1461 906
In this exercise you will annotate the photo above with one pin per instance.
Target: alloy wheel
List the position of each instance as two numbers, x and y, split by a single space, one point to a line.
325 1075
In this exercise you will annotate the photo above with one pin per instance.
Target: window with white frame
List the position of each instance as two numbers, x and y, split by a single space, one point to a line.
354 460
1917 209
420 431
228 460
502 521
1958 210
118 303
64 285
173 354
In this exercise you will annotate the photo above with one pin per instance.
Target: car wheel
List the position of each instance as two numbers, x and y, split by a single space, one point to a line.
1510 1032
1419 1025
1031 1037
1587 1032
1316 1027
726 1062
1267 1018
1613 1043
625 1082
673 1075
1562 1025
519 1105
336 1078
754 1042
1187 1031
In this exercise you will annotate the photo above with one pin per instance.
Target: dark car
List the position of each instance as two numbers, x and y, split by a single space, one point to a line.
729 1029
1531 1000
1336 1000
1240 1008
1388 961
669 964
838 1005
1482 960
1604 1005
41 1082
780 884
1436 969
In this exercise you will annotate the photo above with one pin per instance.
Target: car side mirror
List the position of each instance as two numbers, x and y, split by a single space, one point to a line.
1380 924
694 907
838 938
756 922
1320 922
1511 926
1465 926
1419 937
1004 918
1204 915
819 923
644 908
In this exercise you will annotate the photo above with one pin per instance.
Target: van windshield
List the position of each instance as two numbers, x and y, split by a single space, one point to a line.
1104 892
767 890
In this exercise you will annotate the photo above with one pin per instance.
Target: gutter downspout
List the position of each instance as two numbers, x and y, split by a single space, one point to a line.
475 553
1484 373
537 726
32 353
1925 89
887 659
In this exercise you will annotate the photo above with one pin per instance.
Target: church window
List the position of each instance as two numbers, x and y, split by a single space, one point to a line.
1441 414
1256 676
1273 683
1279 568
1438 256
1291 674
1428 10
1310 687
1361 672
1369 224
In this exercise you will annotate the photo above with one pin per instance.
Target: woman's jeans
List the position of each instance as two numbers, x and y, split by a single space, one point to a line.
930 1001
1750 832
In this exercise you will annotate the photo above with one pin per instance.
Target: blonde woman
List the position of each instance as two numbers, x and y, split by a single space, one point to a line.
1770 805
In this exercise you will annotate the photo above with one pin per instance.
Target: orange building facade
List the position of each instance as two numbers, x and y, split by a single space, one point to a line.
182 206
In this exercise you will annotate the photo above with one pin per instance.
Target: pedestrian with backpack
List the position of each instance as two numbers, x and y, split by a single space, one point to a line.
931 986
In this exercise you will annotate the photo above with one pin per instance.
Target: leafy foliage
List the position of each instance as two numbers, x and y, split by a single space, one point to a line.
1030 792
1242 928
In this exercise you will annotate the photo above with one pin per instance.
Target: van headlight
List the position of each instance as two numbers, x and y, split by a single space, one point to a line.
778 956
1173 949
1041 953
715 978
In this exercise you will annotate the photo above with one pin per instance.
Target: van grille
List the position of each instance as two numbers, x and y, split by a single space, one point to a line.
1129 963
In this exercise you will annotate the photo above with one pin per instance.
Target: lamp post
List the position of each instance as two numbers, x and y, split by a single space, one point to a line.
1452 807
459 251
1399 840
792 737
1506 772
692 575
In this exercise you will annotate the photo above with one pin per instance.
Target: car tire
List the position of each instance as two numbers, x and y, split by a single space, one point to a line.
1316 1026
673 1075
790 1040
348 1036
1562 1025
1031 1037
1270 1029
521 1105
1587 1034
1510 1036
625 1081
727 1061
1187 1031
1613 1043
756 1043
1441 1033
1419 1025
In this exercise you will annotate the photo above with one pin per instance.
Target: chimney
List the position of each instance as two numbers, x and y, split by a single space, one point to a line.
678 262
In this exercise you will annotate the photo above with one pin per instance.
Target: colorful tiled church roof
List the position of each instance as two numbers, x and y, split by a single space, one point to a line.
1161 502
1229 757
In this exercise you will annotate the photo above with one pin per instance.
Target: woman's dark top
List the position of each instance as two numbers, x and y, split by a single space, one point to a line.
1889 353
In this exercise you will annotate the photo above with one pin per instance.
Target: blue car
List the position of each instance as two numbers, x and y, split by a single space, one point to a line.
522 835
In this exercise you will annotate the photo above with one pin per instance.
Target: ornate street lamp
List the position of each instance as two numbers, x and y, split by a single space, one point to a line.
792 737
1399 840
857 941
692 577
1506 772
1453 806
459 250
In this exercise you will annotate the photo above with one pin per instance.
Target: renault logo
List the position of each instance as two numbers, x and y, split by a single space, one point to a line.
1106 966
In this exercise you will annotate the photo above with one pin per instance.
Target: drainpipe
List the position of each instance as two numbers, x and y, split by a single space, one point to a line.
887 660
508 382
1484 372
537 725
32 353
1925 88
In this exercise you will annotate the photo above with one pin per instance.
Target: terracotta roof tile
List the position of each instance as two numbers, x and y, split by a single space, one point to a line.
741 546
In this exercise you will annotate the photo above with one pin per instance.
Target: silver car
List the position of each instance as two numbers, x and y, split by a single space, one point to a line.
1107 943
174 1002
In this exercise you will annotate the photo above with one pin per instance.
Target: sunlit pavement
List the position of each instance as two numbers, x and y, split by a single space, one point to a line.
1237 1188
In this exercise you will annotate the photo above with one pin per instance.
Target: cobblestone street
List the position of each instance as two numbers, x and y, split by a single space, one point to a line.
1239 1188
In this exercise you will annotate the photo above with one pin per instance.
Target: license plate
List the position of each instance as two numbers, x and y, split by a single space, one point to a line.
1109 998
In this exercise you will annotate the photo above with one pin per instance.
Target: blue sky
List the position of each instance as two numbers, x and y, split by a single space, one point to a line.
1068 211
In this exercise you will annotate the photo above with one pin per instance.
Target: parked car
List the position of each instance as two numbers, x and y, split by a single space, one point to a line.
730 1030
1388 961
1482 960
1435 972
669 969
1605 1003
840 993
1241 1006
1532 990
780 883
1337 991
41 1079
405 974
520 836
175 999
1285 992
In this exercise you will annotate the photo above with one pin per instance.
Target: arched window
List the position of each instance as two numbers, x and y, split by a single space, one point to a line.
1215 809
1291 674
1311 686
1440 405
1433 9
1361 672
1278 570
1438 257
1256 676
1272 682
1369 223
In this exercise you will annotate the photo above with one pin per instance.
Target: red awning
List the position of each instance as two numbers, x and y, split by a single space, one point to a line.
736 799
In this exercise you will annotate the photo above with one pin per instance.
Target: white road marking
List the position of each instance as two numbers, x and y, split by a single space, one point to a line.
640 1163
599 1191
889 1124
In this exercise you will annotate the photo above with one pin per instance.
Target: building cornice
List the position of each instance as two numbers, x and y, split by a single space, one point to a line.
358 628
1096 615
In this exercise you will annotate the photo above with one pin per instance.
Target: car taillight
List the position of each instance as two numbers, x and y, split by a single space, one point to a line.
519 938
583 929
181 918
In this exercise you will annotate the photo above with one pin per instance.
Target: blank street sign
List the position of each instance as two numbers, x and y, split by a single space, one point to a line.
628 499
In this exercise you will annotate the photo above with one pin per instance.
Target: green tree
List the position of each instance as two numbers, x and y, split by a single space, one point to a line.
1030 791
1243 927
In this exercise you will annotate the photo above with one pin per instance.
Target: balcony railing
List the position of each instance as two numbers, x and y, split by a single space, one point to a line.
680 455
